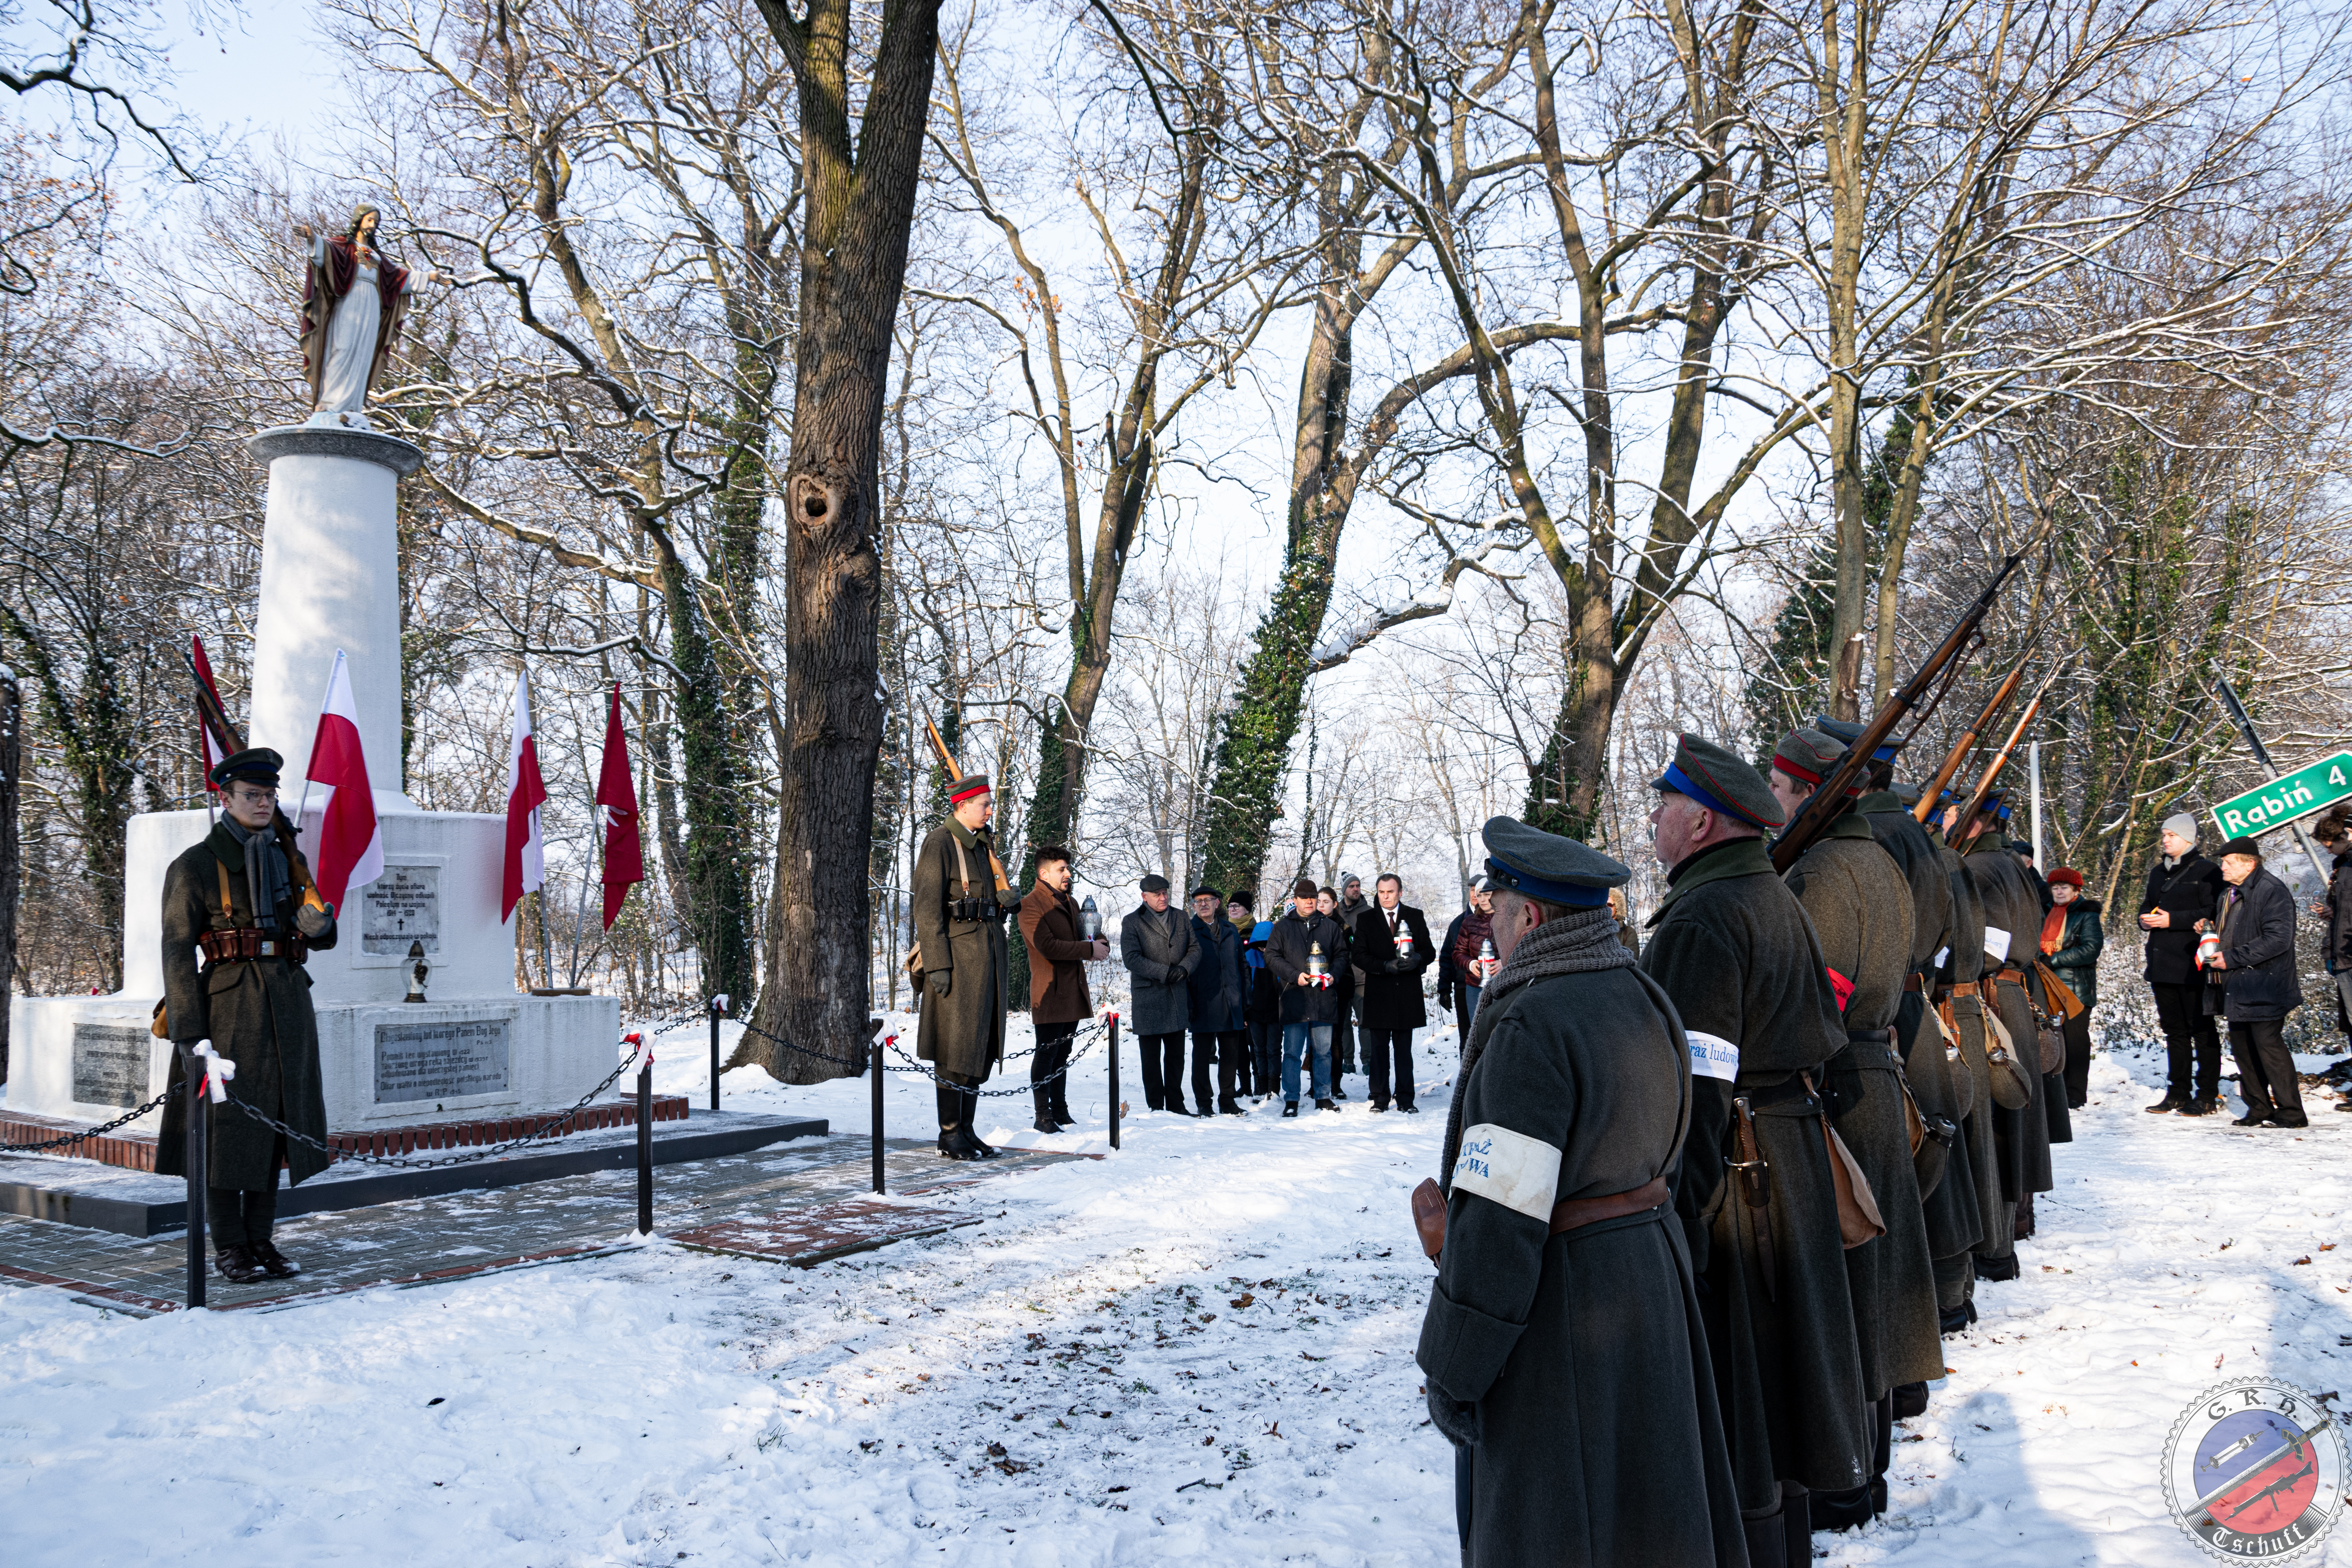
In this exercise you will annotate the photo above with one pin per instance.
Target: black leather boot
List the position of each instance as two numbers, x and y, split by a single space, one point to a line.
952 1128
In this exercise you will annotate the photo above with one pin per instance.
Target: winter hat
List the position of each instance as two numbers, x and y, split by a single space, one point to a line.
2242 847
2181 823
2066 876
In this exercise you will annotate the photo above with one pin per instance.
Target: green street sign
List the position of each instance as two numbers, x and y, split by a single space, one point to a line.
2307 791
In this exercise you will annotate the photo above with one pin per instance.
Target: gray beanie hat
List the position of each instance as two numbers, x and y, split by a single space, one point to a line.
2181 823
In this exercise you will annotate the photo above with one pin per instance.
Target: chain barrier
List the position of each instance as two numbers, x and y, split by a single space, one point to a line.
124 1120
924 1068
337 1151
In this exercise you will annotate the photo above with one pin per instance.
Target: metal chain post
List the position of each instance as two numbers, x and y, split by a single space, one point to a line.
645 1144
1114 1080
877 1070
197 1173
718 1011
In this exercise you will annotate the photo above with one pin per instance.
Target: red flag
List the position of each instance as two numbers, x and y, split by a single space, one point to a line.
526 857
624 853
350 840
209 741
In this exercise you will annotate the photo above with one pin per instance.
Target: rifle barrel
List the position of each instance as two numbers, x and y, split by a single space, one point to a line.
1933 787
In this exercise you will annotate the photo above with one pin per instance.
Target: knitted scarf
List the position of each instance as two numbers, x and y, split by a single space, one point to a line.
1574 944
266 880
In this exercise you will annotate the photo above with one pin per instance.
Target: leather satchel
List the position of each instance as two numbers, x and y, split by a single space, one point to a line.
1429 1216
2012 1089
1958 1073
1859 1220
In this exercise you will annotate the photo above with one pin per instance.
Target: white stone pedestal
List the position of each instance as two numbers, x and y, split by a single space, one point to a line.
330 579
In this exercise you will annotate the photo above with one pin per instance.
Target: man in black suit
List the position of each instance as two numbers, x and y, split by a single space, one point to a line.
1392 948
2183 888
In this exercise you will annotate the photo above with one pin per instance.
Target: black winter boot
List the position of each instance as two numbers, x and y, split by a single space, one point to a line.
953 1132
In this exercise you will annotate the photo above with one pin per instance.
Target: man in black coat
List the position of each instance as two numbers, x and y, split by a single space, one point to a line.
2254 981
1305 954
1391 950
1566 1356
1155 942
1733 949
1220 1003
2183 888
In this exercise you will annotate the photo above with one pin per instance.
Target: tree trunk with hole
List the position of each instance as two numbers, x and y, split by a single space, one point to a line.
860 207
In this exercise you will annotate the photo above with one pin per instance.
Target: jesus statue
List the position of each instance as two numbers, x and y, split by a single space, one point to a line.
354 301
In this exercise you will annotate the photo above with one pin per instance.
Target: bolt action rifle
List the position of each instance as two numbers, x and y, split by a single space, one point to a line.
2001 760
1930 792
1828 802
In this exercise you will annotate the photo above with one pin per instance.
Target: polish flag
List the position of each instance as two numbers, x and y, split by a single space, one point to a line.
526 859
625 850
350 840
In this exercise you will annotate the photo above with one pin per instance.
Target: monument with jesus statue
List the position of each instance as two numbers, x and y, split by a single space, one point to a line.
474 1048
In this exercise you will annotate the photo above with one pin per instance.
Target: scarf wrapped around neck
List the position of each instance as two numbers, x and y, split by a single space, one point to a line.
269 882
1576 943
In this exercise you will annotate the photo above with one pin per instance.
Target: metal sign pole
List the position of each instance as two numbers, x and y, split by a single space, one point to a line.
2262 754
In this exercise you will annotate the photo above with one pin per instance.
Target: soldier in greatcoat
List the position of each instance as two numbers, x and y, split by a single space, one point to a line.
243 900
1932 1065
1735 952
1861 909
2013 926
960 909
1959 997
1565 1353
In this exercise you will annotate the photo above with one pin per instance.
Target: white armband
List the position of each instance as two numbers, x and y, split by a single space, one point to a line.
1712 1056
1511 1168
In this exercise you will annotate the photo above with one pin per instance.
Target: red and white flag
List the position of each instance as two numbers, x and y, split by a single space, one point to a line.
214 745
526 859
617 791
350 840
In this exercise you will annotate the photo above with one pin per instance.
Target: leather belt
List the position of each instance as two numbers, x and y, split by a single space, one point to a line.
248 944
1916 981
1791 1097
1866 1048
2009 973
1959 988
1575 1214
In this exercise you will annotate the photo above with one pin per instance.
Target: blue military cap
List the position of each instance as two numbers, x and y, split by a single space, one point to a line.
1548 866
1847 730
256 764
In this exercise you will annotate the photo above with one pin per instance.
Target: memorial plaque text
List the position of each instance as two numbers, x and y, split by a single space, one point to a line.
109 1064
401 907
439 1062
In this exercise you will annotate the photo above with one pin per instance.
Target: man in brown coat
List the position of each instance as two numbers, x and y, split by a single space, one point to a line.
1058 952
960 903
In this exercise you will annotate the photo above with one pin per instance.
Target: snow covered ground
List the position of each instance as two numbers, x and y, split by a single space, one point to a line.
1198 1350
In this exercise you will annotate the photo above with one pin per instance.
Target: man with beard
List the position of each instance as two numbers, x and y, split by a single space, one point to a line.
1734 951
1861 909
1565 1356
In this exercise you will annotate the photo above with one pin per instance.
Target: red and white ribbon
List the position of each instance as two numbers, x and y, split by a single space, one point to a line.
218 1071
642 1049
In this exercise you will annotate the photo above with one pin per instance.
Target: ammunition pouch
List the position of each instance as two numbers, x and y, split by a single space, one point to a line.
245 944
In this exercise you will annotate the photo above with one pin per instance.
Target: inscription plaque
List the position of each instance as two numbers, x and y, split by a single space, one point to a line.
439 1062
401 906
109 1064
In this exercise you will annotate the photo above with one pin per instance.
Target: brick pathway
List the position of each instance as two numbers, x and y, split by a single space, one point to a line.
794 1202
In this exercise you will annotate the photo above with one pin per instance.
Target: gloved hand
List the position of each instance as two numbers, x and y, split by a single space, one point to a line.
1175 976
940 981
315 922
1456 1419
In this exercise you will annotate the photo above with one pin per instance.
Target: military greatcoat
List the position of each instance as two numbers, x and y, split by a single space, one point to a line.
1861 909
1964 965
1734 951
2011 905
257 1014
1599 1437
1950 1210
962 1031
